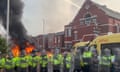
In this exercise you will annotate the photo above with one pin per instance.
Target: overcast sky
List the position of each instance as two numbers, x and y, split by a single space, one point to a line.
55 14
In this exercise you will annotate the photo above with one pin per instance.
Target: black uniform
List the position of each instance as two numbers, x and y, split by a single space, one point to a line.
117 64
94 64
77 67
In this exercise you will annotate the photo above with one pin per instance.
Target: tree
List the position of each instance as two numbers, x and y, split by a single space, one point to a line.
3 46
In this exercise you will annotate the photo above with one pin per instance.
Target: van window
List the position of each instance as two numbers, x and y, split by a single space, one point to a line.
111 46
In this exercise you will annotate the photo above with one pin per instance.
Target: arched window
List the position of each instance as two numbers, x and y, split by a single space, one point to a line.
87 19
87 15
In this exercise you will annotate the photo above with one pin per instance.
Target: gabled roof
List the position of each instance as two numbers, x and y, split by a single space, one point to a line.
108 11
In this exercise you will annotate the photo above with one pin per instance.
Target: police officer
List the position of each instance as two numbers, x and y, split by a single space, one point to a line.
43 61
16 60
9 64
77 61
64 61
94 61
23 62
67 62
2 63
106 60
57 61
35 61
28 55
29 61
87 55
117 60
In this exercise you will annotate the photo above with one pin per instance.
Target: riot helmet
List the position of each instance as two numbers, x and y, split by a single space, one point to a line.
117 51
107 52
86 48
23 53
57 51
43 52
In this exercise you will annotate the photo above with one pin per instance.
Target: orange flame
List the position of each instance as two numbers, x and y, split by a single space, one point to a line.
29 48
49 54
16 50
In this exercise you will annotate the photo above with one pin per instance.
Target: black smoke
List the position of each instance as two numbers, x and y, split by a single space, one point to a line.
17 30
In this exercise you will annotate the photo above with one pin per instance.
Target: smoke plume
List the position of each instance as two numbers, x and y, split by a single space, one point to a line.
58 13
17 30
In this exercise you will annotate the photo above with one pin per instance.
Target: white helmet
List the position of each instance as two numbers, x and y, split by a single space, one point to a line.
43 51
107 51
57 51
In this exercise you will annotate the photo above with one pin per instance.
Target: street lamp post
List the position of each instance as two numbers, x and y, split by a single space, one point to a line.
7 21
43 34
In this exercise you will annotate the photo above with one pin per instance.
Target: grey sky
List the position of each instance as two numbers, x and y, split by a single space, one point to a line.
56 14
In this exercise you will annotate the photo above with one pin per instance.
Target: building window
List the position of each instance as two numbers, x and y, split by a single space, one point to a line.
69 32
94 20
66 33
65 45
75 35
81 21
87 19
55 40
59 39
69 45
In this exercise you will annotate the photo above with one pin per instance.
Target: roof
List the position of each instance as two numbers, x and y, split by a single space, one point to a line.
113 38
60 33
108 11
80 44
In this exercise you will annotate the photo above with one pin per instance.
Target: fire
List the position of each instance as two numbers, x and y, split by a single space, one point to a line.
49 54
16 50
29 48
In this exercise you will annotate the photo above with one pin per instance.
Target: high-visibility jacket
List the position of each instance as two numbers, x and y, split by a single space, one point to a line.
23 62
106 60
68 61
16 60
9 64
29 59
57 59
87 55
35 61
2 62
43 60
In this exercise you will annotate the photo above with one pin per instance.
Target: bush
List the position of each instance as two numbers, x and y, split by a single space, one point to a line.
3 46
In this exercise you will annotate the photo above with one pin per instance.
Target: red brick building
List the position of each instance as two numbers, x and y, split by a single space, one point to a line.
59 40
51 40
68 36
90 20
41 41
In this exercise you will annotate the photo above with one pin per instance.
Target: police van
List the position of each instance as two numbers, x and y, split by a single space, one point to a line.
79 45
110 41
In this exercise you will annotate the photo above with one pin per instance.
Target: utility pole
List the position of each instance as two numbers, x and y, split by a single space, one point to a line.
43 34
8 21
